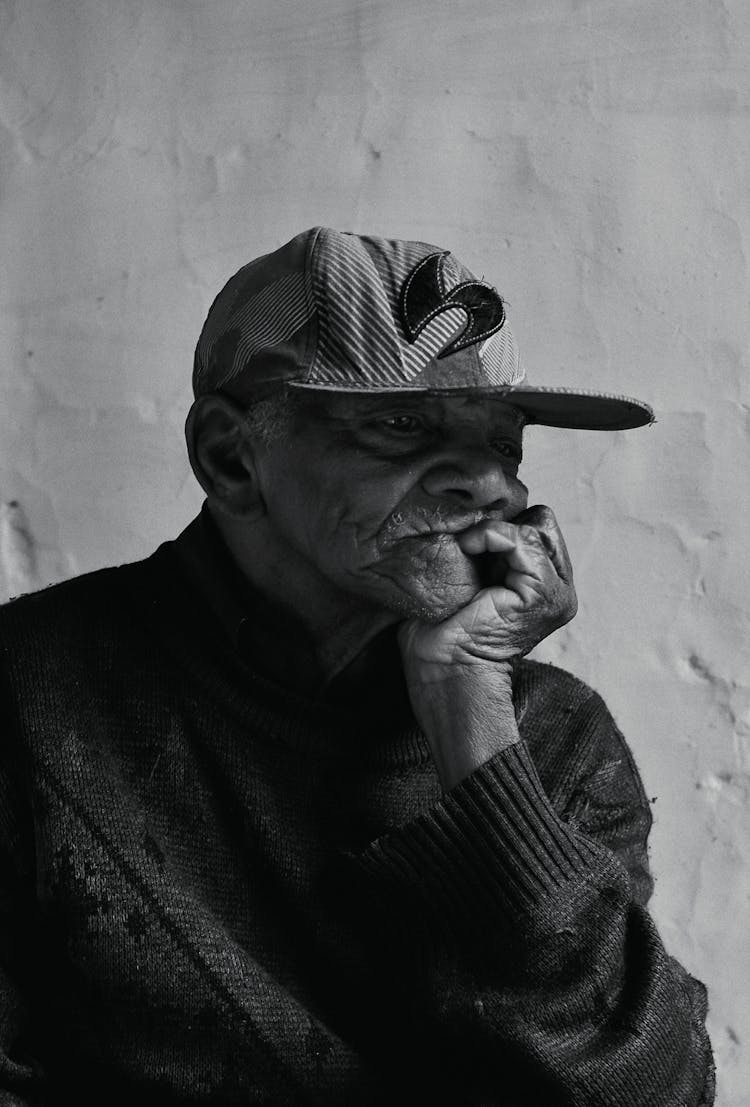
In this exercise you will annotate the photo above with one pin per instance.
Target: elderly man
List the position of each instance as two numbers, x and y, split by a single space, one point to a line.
287 818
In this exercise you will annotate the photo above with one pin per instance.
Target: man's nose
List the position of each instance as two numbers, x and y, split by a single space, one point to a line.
475 479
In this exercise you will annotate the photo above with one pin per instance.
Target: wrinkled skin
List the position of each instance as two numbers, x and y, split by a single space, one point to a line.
532 594
410 510
370 495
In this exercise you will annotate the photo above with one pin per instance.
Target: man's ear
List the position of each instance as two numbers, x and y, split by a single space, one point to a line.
222 457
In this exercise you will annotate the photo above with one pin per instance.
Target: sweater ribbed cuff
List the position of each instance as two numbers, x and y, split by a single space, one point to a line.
493 846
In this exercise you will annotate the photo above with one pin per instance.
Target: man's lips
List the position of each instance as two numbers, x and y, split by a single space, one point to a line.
399 531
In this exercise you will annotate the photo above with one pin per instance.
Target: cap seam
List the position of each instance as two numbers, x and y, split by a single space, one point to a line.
313 337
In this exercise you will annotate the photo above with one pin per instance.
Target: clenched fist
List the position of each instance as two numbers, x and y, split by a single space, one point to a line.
529 594
458 671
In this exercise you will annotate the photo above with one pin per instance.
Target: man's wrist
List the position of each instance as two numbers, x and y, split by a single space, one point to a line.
466 712
462 674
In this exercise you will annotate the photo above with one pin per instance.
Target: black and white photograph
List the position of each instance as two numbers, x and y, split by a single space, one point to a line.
374 529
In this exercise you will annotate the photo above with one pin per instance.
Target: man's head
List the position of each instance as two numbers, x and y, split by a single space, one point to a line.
359 401
363 495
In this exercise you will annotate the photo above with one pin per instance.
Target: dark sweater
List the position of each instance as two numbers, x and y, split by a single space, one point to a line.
214 890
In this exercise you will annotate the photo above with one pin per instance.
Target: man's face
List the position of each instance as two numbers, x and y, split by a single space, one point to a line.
365 494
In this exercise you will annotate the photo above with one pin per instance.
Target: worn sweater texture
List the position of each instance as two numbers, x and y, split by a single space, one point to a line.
214 890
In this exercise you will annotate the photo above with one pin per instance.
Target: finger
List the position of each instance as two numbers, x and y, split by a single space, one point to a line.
488 537
558 604
531 589
542 518
531 557
521 547
531 546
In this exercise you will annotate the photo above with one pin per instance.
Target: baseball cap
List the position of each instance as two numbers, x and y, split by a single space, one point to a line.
343 312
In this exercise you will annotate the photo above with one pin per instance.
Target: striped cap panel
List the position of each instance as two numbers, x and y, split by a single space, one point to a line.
357 283
271 317
499 358
357 339
434 338
264 320
394 264
205 365
395 261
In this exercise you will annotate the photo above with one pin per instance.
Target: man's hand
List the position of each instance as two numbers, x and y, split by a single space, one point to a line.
533 595
459 671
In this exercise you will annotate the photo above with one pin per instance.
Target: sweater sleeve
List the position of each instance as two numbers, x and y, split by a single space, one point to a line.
526 949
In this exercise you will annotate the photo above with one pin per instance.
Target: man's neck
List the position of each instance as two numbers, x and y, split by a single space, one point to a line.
305 634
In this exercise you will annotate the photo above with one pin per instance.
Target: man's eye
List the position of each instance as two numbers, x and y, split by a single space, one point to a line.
509 449
401 424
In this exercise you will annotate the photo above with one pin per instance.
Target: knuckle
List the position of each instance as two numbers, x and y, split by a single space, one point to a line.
529 534
546 515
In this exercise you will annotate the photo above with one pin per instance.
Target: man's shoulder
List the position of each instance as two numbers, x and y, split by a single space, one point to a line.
75 607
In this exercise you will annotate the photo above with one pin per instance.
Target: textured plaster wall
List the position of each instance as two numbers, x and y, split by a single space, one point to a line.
589 158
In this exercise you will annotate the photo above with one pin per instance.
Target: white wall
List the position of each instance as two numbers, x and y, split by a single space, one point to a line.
589 158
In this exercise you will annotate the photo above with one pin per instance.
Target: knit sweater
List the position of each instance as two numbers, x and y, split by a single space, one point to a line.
214 890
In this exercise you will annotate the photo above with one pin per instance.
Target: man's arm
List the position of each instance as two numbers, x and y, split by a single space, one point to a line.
543 977
525 954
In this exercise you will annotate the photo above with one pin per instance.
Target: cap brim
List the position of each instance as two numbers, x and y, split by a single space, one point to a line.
572 409
580 410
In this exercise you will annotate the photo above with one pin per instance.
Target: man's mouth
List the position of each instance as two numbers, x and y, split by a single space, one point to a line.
429 539
398 529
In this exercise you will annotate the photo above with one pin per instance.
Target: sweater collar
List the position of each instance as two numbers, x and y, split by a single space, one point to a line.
211 570
247 618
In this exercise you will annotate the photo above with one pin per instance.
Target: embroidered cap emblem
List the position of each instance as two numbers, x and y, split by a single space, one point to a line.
423 296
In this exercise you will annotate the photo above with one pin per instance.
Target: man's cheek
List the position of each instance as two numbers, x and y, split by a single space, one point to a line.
358 532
